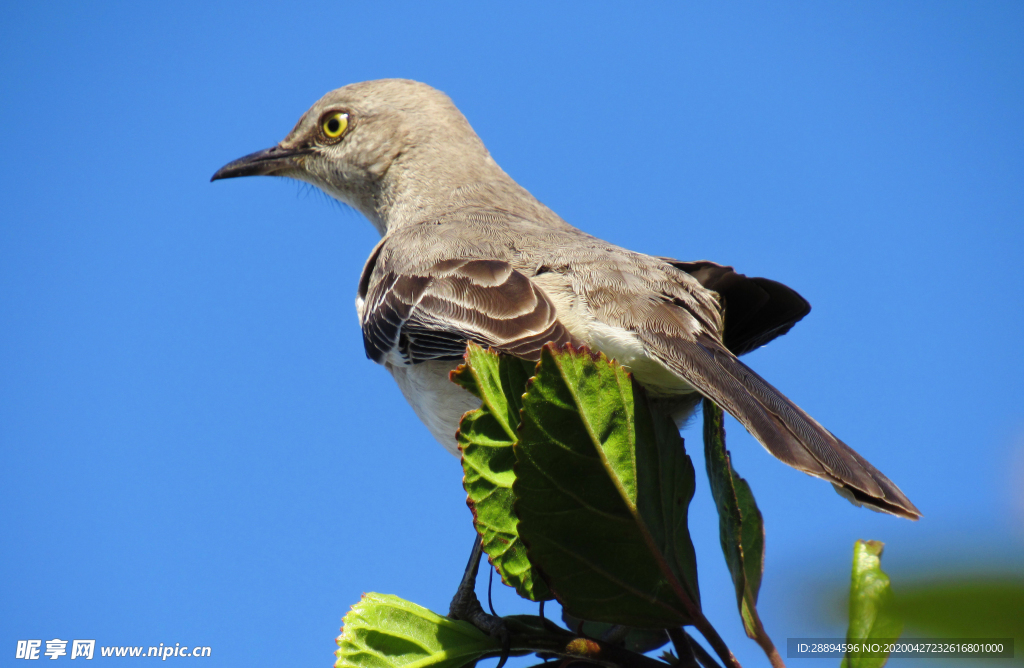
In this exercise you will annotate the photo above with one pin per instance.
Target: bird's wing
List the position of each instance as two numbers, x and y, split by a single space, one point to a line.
757 310
414 316
673 335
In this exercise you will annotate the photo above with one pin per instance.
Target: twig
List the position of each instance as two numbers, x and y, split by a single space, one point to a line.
769 649
530 634
701 654
716 642
762 639
683 649
490 585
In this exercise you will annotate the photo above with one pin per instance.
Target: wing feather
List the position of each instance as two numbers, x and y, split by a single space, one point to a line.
757 310
413 318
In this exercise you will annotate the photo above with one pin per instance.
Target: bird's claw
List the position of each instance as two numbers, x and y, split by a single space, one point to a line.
466 606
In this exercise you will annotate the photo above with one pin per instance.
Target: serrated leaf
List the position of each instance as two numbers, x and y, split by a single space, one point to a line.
383 631
872 613
740 526
602 490
486 437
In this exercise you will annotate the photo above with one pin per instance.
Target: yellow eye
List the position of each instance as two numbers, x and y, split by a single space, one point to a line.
335 125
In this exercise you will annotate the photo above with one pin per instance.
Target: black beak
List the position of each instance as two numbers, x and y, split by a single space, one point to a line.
268 162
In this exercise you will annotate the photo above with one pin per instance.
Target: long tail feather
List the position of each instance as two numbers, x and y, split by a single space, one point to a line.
782 427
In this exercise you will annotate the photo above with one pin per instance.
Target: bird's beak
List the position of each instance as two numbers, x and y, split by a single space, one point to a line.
268 162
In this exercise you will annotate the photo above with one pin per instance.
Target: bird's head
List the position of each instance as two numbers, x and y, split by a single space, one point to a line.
373 144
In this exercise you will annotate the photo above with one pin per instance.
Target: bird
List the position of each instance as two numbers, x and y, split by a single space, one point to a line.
467 254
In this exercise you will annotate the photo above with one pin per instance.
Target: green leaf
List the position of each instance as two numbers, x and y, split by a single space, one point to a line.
383 631
602 490
486 437
740 526
872 613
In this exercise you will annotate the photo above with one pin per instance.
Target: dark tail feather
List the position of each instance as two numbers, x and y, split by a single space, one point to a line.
783 428
757 310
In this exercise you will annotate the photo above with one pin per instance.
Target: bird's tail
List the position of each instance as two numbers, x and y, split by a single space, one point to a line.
783 428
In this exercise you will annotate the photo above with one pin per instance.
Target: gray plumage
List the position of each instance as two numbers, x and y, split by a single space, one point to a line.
468 254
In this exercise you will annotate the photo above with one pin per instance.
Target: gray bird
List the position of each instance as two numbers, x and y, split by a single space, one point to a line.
468 254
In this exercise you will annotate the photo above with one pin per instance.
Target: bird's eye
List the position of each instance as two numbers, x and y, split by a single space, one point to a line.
335 125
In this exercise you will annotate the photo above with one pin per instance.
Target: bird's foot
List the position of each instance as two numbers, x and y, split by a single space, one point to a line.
466 606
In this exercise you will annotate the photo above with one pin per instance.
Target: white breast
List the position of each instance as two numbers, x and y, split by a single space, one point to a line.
437 401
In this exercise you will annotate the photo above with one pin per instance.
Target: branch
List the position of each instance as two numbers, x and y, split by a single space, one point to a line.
716 642
683 642
528 633
684 649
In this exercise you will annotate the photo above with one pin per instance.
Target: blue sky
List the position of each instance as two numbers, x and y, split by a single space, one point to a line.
194 448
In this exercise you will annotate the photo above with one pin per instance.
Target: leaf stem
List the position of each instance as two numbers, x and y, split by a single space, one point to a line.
681 638
716 642
684 649
762 639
